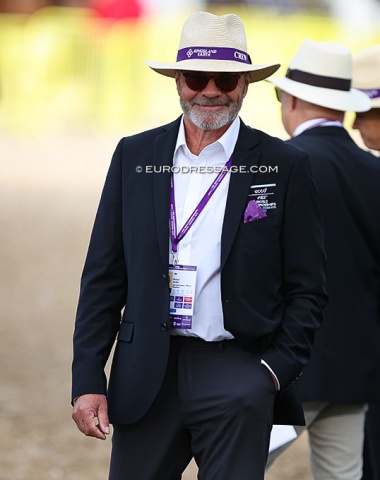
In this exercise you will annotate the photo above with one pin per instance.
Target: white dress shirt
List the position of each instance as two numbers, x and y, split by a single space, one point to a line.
316 122
201 244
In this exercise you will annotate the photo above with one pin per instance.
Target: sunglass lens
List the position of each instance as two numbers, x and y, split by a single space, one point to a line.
198 82
278 94
227 83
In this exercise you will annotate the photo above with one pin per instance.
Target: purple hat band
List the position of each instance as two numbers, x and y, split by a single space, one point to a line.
213 53
371 92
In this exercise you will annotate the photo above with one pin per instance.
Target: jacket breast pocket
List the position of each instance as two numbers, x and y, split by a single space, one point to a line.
262 223
126 331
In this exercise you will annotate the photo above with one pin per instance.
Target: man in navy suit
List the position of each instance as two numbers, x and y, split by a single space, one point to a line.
343 373
206 265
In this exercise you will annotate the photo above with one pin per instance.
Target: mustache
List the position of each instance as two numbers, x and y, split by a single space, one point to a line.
210 102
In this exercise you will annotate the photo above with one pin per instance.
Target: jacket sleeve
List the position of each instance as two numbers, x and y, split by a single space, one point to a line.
103 289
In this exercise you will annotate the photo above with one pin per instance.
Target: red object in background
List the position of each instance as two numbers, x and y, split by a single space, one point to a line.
118 9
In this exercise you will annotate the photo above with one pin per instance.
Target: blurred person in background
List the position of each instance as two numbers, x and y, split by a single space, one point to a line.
206 265
344 370
117 9
366 77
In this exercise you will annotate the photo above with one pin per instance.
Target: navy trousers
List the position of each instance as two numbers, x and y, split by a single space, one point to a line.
215 404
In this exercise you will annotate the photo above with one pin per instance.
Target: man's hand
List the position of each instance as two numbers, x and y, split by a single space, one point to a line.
90 413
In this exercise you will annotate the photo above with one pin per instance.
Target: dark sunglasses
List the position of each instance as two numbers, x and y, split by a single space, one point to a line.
225 82
278 94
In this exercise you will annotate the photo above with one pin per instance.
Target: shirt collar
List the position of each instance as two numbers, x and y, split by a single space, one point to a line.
227 141
316 122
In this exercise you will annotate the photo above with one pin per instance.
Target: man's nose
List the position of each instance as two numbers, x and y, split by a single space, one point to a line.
211 88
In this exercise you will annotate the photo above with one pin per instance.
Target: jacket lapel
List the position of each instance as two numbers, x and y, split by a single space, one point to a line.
246 157
163 157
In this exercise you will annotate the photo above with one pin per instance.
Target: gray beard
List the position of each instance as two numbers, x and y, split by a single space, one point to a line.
214 121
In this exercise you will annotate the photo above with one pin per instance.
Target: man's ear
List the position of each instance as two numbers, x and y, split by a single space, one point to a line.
247 81
293 102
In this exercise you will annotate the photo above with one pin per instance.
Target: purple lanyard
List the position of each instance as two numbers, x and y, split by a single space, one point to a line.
176 238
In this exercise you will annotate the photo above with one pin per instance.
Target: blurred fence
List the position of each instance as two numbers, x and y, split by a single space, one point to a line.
62 68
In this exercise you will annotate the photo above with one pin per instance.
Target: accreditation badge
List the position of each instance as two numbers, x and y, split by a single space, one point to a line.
182 279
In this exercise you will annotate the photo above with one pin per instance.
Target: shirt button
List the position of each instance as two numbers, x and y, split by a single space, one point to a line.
164 326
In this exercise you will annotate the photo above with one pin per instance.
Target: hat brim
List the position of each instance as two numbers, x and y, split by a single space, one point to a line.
353 100
257 72
375 103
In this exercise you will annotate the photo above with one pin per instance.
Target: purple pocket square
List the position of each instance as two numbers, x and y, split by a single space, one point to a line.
253 212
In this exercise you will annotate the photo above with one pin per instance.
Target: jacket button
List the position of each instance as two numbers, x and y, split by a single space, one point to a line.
164 326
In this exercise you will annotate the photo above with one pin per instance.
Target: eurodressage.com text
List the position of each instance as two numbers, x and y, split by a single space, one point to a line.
207 169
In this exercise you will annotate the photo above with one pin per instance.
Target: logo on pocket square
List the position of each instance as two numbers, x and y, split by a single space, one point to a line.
253 212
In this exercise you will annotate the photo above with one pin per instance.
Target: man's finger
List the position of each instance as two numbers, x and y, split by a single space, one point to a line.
103 421
86 415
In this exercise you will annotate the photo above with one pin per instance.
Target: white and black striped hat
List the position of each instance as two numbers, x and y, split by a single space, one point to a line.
321 73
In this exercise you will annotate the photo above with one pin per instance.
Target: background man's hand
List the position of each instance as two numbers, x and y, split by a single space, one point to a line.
90 413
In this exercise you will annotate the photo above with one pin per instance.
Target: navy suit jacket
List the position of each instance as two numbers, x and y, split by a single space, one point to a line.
345 362
272 271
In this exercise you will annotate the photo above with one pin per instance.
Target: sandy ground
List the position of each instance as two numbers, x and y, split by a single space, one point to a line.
49 190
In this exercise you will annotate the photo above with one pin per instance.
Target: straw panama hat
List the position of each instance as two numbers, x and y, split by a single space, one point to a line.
321 73
366 73
211 43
